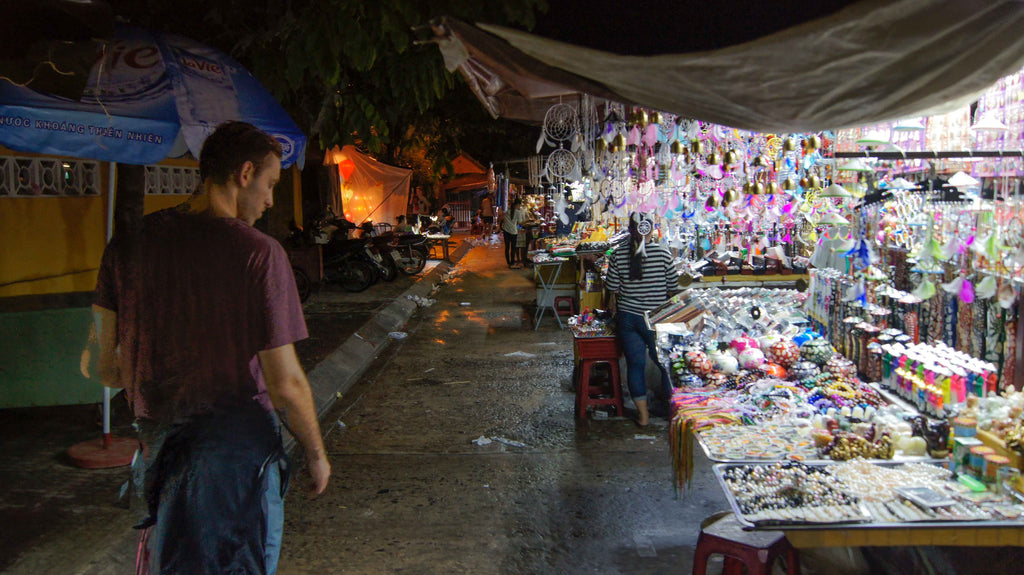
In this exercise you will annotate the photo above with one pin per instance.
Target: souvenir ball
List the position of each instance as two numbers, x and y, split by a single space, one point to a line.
784 352
766 341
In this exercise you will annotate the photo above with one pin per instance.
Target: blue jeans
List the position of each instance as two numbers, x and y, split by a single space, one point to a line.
637 344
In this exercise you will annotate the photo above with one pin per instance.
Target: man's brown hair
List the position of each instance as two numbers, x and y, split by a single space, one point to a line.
230 146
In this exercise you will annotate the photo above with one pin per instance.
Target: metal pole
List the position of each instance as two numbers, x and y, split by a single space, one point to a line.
931 155
111 175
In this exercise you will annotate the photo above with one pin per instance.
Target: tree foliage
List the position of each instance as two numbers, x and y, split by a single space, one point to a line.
348 71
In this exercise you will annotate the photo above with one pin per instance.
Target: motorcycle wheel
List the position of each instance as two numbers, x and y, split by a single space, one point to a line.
356 276
388 268
302 284
412 262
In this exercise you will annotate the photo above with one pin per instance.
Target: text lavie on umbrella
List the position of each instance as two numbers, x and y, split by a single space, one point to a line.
149 96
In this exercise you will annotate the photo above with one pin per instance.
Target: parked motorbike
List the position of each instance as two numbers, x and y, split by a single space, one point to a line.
409 252
347 262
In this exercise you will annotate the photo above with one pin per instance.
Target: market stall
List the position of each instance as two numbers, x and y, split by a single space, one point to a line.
846 338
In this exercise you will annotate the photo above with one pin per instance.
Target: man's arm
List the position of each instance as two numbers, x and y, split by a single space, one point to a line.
104 330
290 393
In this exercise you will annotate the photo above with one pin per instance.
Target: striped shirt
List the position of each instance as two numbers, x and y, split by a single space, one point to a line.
660 278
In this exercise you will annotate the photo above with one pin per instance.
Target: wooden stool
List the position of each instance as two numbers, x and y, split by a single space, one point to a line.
565 305
723 534
591 352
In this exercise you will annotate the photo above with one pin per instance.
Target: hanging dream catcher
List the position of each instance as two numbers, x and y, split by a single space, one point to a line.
560 124
560 164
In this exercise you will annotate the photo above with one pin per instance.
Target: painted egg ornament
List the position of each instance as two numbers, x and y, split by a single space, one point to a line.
803 370
751 358
698 363
818 351
839 365
741 344
774 370
804 337
725 363
716 379
784 352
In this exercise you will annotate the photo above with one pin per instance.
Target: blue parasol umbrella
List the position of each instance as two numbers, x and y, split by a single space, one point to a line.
149 96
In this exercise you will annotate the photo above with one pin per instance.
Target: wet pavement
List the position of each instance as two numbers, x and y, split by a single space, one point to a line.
413 493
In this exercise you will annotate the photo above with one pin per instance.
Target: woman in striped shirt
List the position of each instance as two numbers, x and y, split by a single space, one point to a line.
641 277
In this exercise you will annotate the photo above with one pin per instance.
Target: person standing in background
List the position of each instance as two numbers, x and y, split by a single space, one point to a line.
196 315
641 277
510 223
487 213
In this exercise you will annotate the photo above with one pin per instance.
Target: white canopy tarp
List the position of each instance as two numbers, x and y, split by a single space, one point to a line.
873 61
368 189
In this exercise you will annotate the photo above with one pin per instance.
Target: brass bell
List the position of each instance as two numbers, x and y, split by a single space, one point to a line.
619 142
641 118
772 188
730 196
757 188
713 159
805 183
654 118
712 201
789 145
748 188
757 162
814 181
788 185
676 147
730 158
814 142
600 145
697 147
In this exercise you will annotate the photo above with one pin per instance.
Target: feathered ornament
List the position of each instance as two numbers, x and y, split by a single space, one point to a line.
1006 295
967 292
925 290
986 288
948 250
954 286
856 292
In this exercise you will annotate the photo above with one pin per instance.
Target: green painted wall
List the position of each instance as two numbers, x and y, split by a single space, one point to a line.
39 358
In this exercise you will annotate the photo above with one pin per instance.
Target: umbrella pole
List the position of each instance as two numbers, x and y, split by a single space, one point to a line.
108 451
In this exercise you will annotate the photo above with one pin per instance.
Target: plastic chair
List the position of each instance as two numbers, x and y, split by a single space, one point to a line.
723 534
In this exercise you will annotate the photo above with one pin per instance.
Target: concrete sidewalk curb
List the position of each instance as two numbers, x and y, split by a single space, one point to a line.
340 370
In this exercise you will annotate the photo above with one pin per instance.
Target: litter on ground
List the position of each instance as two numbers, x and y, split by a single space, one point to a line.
519 354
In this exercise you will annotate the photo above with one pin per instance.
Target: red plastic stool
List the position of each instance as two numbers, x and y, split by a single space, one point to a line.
723 534
591 352
565 310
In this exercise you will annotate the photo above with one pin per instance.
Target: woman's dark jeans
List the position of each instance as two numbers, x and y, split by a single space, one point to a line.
638 343
510 247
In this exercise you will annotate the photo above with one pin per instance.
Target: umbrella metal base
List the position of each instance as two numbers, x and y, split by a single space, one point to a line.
104 452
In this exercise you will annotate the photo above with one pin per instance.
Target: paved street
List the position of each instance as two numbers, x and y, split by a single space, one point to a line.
412 493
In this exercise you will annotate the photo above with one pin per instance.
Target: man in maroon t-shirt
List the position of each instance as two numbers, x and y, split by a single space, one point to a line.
196 316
